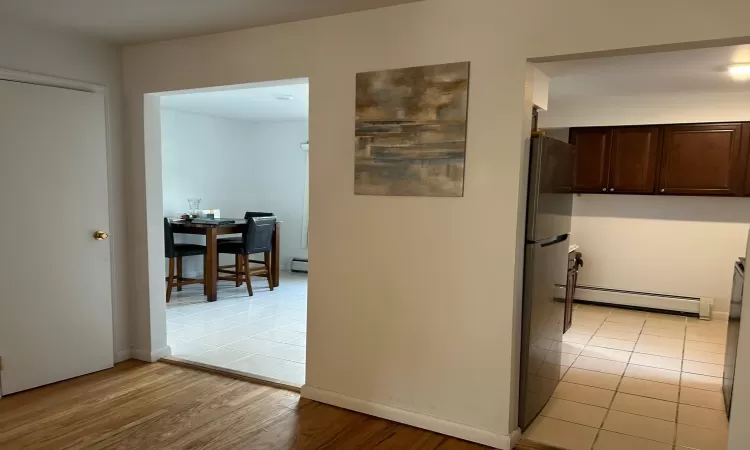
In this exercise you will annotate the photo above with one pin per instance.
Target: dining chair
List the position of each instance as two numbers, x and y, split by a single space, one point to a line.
237 267
175 253
257 237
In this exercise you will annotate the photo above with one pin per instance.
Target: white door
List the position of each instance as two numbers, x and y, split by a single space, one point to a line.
55 284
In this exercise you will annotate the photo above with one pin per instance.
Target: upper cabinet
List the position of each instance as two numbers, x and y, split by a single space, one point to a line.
621 160
692 159
635 160
592 158
702 160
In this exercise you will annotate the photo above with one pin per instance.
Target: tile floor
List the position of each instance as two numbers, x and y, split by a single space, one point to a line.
260 335
636 380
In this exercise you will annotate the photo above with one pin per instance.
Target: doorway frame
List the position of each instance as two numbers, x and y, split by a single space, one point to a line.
84 86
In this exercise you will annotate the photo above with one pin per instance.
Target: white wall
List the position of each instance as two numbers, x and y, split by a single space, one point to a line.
413 302
671 245
650 243
54 53
236 166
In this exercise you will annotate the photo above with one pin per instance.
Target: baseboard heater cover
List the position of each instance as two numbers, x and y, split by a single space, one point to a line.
700 306
299 265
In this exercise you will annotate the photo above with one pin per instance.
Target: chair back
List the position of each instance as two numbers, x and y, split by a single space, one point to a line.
250 214
258 235
169 251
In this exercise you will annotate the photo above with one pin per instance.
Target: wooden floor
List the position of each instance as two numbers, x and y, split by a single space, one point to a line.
160 406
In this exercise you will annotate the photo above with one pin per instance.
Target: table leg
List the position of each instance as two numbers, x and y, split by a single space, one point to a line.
211 264
275 249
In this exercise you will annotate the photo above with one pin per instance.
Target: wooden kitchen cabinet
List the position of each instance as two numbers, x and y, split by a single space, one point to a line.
592 158
634 160
617 160
705 159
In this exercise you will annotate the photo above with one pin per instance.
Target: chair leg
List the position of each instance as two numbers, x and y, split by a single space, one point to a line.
238 270
269 272
205 268
170 279
246 263
179 274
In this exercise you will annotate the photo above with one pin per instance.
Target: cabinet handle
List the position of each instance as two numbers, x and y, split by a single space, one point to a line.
611 189
604 189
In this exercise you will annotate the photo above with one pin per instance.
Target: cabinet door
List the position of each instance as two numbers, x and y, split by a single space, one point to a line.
634 160
592 158
702 160
745 151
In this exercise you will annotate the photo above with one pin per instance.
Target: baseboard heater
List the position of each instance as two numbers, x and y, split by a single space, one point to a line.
299 265
699 306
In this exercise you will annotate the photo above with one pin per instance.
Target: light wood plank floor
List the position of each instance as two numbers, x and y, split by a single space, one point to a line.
161 406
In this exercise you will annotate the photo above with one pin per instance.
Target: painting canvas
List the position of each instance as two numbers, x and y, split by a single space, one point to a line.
411 131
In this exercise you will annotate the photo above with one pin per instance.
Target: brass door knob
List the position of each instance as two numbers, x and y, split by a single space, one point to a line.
100 235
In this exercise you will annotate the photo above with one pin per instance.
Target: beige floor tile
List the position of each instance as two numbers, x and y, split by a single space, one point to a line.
590 378
652 374
608 440
665 324
567 347
660 340
640 426
588 321
576 338
600 365
707 326
562 434
664 332
660 350
702 417
689 437
702 398
651 389
561 359
711 370
644 406
628 327
617 334
706 357
704 347
660 362
583 329
617 344
712 337
673 318
583 394
695 381
606 353
632 320
575 412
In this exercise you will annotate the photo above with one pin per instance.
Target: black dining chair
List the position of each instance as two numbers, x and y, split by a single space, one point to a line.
237 267
256 238
175 253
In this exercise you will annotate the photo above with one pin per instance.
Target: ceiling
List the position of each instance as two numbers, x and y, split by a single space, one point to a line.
257 102
132 21
702 70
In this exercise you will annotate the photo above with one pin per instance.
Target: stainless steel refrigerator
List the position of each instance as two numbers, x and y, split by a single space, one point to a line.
549 208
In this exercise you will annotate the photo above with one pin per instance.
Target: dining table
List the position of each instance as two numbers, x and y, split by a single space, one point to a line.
212 231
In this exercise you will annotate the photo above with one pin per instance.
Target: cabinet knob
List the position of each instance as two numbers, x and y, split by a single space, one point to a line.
611 189
604 189
662 190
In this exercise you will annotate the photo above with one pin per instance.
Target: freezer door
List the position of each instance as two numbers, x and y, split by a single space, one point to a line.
543 322
550 202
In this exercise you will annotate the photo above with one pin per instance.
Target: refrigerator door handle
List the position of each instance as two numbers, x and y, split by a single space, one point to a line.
557 240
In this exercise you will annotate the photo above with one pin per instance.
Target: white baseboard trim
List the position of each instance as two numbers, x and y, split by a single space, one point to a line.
122 355
412 418
720 315
148 356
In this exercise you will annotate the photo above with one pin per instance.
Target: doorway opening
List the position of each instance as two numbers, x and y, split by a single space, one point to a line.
657 209
235 160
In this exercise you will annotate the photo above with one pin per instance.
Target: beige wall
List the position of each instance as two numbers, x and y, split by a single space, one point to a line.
47 52
413 302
